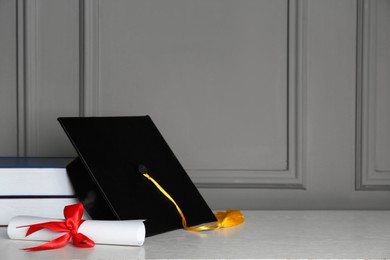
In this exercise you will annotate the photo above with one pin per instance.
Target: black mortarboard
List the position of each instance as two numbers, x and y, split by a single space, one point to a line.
113 152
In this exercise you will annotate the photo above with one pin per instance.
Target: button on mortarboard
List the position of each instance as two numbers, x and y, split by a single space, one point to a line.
142 169
113 151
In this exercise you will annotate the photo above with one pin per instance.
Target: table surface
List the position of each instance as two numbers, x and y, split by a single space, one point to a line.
265 234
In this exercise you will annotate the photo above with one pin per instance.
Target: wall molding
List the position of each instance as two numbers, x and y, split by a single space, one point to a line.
91 39
290 178
31 78
20 34
367 177
81 58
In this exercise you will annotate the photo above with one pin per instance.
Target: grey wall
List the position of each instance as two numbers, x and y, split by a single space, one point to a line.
268 104
8 79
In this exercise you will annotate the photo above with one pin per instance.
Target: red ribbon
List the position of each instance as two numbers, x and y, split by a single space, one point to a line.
73 214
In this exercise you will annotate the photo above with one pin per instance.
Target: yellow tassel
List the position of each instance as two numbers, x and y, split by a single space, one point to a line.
225 219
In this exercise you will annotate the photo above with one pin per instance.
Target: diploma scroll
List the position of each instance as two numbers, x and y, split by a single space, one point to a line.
117 232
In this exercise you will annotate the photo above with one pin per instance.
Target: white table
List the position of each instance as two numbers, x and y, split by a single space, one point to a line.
265 234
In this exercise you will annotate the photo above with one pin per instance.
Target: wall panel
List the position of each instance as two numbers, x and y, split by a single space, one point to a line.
373 106
382 107
224 96
8 78
52 74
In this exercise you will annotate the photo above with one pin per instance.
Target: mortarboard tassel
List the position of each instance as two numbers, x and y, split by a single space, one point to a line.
225 219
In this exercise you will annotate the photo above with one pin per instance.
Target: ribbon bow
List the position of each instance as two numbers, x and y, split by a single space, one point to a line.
73 214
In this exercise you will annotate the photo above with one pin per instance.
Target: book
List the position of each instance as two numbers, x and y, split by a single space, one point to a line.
34 177
34 186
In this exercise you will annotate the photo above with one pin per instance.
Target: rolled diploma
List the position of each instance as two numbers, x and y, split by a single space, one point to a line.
116 232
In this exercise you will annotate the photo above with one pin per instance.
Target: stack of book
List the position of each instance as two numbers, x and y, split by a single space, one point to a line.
34 187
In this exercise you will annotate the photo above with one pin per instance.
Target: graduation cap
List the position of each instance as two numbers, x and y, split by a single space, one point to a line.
115 155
